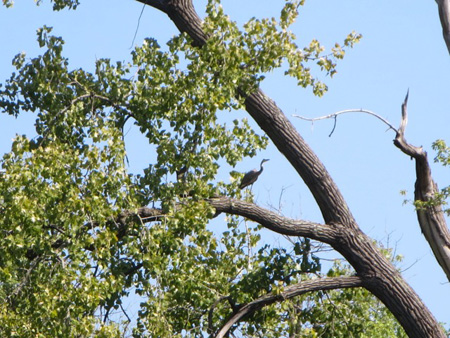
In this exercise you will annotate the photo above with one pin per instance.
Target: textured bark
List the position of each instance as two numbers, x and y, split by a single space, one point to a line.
377 274
444 16
431 218
275 222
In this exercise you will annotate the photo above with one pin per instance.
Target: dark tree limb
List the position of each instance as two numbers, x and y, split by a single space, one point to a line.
289 292
279 224
444 16
431 217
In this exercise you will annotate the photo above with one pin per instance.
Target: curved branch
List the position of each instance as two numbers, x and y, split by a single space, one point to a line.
270 220
290 292
334 115
431 217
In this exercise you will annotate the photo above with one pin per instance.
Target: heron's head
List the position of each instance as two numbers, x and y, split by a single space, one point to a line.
265 160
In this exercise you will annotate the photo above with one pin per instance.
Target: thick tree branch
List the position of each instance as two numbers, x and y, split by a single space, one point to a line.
275 222
431 217
444 16
290 292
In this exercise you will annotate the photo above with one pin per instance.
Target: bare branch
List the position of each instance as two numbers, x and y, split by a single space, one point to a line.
290 292
211 312
335 115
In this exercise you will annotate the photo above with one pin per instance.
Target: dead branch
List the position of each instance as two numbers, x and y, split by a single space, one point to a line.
335 115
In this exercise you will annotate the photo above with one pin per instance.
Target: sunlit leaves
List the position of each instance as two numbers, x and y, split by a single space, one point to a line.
265 45
56 202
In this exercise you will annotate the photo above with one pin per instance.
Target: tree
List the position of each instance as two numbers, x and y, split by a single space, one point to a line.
78 229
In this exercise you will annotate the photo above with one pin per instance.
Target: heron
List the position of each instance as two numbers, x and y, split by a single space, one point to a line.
251 177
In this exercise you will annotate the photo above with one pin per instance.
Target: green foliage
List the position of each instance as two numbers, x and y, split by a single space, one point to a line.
248 55
69 259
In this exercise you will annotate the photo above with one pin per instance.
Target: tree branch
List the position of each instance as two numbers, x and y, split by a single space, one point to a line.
290 292
279 224
431 217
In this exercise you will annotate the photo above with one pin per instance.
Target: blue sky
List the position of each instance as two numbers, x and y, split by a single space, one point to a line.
402 48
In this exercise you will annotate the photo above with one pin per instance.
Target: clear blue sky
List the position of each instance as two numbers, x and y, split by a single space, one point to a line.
402 47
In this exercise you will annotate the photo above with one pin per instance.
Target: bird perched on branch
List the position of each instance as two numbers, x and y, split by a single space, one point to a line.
251 177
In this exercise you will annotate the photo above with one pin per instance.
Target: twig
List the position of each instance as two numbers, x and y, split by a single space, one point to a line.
137 28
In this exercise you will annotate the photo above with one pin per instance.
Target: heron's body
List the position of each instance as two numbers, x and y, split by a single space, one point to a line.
251 177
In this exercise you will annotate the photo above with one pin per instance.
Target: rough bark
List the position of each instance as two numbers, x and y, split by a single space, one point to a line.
431 218
444 16
378 275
